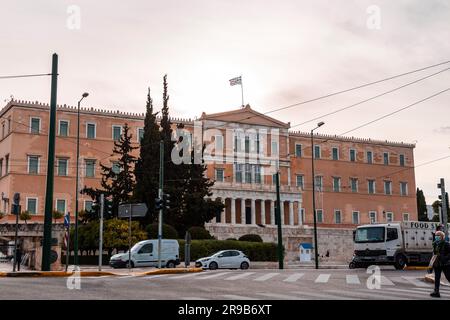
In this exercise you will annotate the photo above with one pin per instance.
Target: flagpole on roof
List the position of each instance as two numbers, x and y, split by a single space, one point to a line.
242 92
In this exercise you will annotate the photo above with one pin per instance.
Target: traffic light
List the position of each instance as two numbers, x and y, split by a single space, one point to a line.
108 209
158 204
95 209
166 201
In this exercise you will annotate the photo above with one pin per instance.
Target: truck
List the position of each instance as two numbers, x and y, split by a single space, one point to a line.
398 244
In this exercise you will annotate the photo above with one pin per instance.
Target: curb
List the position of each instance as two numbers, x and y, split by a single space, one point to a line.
416 268
43 274
430 279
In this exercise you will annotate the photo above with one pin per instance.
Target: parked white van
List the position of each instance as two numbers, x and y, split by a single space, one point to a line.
145 254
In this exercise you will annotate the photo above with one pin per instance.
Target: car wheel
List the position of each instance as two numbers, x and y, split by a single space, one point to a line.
127 265
170 264
244 265
400 262
213 266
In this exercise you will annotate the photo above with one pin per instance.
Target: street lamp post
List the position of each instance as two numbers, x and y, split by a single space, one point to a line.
75 242
316 249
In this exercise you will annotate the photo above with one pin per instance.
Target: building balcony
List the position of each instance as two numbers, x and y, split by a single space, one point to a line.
256 187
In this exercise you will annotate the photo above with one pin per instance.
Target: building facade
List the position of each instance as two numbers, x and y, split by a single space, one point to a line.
357 180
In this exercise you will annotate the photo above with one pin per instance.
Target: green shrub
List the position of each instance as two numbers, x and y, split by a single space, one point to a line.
233 239
256 251
251 238
168 231
199 233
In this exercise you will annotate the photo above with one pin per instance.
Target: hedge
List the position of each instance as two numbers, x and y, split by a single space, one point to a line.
255 251
199 233
168 231
251 238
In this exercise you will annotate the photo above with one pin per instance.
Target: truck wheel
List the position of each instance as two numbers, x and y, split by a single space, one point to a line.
352 265
170 264
400 262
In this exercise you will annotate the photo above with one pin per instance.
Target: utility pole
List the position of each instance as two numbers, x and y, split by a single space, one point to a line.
47 242
160 195
16 211
443 198
278 221
100 249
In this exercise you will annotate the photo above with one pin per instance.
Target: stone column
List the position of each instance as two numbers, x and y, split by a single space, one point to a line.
291 213
272 212
300 218
253 208
233 211
223 214
263 212
282 212
243 211
213 220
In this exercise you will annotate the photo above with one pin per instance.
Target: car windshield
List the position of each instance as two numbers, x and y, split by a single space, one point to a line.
370 234
135 247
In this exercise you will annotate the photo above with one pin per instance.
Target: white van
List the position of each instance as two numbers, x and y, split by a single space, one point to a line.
145 254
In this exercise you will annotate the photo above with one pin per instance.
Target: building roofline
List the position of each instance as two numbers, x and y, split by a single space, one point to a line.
351 139
83 110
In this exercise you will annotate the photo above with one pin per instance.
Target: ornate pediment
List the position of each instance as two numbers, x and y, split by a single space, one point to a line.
245 115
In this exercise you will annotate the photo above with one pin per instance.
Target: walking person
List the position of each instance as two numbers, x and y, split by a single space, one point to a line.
18 257
441 249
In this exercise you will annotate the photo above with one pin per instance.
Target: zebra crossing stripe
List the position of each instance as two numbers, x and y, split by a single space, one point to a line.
323 278
386 282
416 282
352 279
441 290
279 296
156 276
186 275
294 277
266 276
237 297
324 296
240 276
413 292
400 294
216 275
369 294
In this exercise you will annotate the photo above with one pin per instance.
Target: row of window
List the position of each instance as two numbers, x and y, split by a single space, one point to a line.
60 205
353 185
352 155
373 216
91 129
6 162
63 166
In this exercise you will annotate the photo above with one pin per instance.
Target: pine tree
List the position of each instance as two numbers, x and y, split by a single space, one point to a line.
118 181
147 166
421 206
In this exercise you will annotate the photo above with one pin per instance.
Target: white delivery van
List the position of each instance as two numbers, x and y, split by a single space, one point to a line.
145 254
395 244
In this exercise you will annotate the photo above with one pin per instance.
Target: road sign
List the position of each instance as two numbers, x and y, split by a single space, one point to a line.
16 198
133 209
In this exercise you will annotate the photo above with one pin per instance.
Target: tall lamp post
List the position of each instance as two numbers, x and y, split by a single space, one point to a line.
316 249
75 242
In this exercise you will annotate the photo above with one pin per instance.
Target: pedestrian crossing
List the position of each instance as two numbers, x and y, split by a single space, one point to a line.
388 293
351 280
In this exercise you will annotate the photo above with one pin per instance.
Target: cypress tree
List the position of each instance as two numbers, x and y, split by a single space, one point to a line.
421 205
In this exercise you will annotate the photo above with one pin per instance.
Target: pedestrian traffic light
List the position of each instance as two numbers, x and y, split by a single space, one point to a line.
158 204
166 201
95 209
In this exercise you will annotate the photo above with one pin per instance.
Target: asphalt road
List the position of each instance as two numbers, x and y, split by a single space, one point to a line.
256 284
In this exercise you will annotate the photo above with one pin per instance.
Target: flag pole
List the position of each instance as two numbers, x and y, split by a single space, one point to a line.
242 92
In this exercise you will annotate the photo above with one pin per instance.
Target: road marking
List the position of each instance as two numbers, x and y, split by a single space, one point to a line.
431 288
386 282
125 277
416 293
359 294
213 275
240 276
323 278
324 296
279 296
236 297
186 275
417 282
294 277
156 276
352 279
399 294
266 276
193 298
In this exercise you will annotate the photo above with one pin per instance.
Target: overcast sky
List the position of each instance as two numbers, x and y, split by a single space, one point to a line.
286 52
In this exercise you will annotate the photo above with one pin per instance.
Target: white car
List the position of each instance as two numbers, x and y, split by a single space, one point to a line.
225 259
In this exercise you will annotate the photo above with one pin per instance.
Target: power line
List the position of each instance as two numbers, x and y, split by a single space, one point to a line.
26 76
369 99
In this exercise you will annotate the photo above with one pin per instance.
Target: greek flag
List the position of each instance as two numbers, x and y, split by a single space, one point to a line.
235 81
